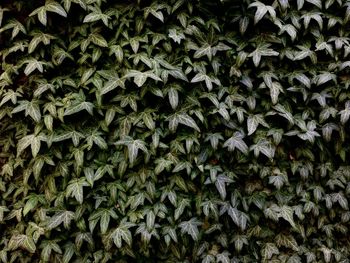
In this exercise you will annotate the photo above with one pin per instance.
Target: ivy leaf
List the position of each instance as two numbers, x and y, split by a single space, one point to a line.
235 215
287 241
121 233
92 17
176 35
104 221
173 98
33 141
112 84
317 3
262 50
261 10
141 77
286 213
55 7
223 257
220 184
284 113
22 241
150 220
236 141
277 181
191 227
33 64
33 111
133 147
344 115
90 175
325 77
303 79
252 123
95 15
275 90
186 120
64 217
75 189
214 139
98 40
24 143
85 105
269 250
41 12
205 50
265 147
181 208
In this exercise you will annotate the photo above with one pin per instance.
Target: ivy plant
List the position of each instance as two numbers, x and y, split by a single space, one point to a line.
174 131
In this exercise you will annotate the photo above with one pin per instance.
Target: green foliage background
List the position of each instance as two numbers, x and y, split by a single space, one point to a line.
174 131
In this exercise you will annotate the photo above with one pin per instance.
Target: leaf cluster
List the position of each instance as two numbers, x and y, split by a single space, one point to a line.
174 131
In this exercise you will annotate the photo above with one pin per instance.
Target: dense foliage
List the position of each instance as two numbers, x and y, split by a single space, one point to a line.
174 131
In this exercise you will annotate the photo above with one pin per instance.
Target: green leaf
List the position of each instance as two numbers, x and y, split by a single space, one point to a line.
265 147
286 213
141 77
223 257
220 184
284 113
90 175
133 147
236 141
205 50
55 7
22 241
33 111
277 181
198 77
41 12
317 3
261 10
30 204
214 139
176 35
92 17
111 85
287 241
150 220
269 250
148 120
75 189
104 221
190 227
275 90
186 120
35 146
88 106
122 233
182 204
24 143
64 217
118 52
252 124
303 79
98 40
32 65
325 77
173 98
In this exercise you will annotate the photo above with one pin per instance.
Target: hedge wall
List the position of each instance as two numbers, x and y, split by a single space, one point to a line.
174 131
